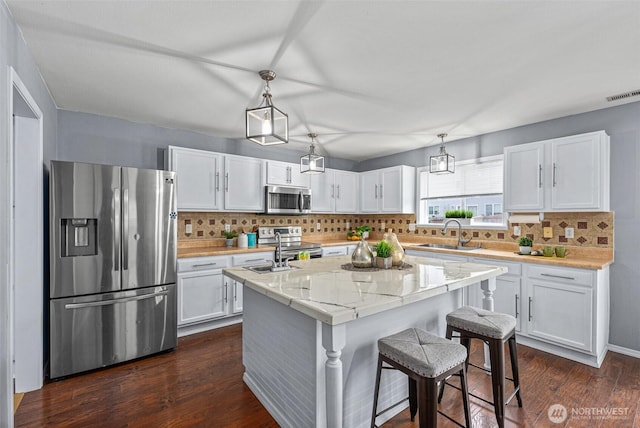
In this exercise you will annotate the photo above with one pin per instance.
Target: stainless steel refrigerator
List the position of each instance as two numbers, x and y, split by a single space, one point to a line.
113 265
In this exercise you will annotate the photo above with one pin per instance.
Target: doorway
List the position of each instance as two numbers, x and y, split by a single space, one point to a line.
26 250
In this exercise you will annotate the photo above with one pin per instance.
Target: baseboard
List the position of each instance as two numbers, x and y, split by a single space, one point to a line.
624 351
210 325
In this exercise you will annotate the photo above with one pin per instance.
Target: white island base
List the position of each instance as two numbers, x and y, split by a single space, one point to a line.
284 358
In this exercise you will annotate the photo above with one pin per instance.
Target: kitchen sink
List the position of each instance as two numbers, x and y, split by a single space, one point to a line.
268 268
449 247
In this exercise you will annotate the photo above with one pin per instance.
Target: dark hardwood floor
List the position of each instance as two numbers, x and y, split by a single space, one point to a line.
200 385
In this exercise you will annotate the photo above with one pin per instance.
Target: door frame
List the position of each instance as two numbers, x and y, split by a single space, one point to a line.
16 83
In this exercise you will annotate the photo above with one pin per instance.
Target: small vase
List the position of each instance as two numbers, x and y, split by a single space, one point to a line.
384 263
362 257
397 252
229 242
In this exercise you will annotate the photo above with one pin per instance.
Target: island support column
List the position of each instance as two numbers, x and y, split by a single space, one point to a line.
333 340
488 286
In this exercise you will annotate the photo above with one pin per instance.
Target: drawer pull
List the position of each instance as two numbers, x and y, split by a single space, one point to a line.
205 264
254 260
530 314
558 276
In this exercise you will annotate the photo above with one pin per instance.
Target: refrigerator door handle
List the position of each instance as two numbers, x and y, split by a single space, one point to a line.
116 229
112 301
125 229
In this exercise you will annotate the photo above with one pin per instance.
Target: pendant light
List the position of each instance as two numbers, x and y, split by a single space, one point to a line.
266 125
312 162
443 161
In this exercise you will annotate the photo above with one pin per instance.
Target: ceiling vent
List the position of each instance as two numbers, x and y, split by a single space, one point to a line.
623 96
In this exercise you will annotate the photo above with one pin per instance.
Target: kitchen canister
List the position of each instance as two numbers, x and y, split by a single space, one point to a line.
243 240
251 240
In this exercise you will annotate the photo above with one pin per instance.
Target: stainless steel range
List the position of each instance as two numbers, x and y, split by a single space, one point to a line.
291 242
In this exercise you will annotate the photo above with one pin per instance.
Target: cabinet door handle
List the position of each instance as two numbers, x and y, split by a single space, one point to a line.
554 174
517 313
376 192
235 291
332 191
381 191
217 181
558 276
539 175
226 292
226 182
530 314
338 191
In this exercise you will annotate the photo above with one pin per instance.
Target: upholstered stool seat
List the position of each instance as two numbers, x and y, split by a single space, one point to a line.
494 329
426 359
480 321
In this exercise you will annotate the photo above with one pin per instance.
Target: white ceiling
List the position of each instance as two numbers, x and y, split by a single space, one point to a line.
371 78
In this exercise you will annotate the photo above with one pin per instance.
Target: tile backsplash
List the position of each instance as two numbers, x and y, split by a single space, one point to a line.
593 229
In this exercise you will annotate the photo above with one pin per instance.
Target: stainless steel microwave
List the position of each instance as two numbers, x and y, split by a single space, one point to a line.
287 200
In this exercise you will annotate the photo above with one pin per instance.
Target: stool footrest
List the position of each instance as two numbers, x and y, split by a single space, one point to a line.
391 407
484 369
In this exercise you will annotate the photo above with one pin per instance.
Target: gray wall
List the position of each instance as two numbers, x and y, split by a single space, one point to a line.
14 52
622 123
86 137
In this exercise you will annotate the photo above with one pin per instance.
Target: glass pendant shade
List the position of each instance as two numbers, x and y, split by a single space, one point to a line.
265 124
443 162
312 162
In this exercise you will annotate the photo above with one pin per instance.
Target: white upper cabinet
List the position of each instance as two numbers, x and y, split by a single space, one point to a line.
198 179
388 190
209 181
563 174
334 191
243 184
286 174
346 191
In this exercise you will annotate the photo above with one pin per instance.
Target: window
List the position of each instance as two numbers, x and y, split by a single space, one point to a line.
476 186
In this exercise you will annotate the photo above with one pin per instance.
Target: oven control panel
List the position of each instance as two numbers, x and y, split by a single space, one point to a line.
285 231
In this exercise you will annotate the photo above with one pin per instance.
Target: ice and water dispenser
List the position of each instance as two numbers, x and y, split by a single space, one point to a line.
79 237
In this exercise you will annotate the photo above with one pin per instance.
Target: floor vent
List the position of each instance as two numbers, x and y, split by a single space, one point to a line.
623 96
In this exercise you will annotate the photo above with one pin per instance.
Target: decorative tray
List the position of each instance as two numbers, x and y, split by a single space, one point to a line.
533 253
350 266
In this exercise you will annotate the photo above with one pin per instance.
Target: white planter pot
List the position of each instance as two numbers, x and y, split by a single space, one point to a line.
525 250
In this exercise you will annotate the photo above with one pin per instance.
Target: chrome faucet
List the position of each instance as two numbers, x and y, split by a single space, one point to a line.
279 265
461 241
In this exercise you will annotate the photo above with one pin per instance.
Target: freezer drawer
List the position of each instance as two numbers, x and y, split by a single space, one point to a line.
95 331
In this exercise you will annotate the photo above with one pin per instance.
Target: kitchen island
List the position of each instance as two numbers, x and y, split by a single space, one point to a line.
310 333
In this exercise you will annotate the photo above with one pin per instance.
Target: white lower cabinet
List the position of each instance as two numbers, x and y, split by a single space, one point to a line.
560 310
560 306
206 297
202 292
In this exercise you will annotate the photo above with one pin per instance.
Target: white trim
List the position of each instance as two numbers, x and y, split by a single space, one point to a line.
624 351
16 83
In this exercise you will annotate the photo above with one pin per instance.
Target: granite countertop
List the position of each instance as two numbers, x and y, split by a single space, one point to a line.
321 289
578 257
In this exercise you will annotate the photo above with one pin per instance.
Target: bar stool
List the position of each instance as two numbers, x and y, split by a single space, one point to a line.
494 329
426 359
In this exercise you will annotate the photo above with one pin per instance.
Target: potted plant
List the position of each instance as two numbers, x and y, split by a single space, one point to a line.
363 230
464 216
525 244
228 237
383 255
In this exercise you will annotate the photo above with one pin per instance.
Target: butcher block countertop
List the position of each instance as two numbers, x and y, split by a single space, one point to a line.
577 257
